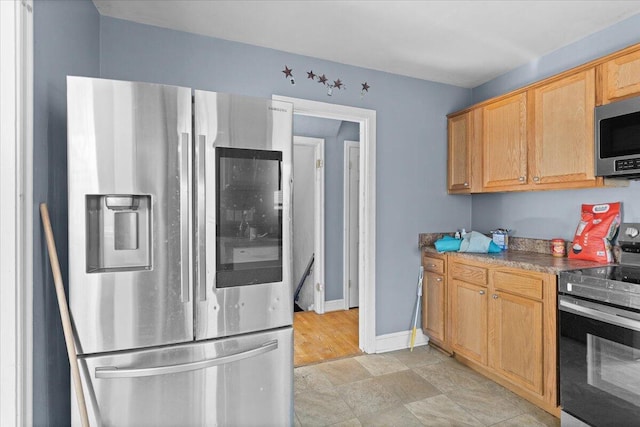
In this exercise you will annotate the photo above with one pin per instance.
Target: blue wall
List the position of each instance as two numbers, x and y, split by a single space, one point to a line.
65 42
611 39
550 214
411 132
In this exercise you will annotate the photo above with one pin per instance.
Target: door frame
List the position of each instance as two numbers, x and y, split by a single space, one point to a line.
367 210
318 221
16 215
346 249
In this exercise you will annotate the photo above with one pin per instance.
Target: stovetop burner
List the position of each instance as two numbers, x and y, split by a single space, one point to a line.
621 273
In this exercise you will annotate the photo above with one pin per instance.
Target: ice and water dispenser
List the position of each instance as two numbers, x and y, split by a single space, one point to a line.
118 232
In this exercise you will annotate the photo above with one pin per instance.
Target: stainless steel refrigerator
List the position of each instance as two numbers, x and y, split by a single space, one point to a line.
180 286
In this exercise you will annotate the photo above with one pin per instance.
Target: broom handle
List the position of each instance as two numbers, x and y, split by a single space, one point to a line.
64 314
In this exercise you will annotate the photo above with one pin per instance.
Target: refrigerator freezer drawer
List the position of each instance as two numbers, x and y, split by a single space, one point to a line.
241 381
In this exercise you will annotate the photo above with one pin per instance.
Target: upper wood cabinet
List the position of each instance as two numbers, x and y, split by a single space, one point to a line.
620 77
561 146
459 150
539 137
464 156
504 143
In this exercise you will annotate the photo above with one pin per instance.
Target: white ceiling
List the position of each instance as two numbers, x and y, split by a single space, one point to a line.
464 43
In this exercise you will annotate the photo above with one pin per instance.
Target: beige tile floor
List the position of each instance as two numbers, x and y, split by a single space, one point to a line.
403 388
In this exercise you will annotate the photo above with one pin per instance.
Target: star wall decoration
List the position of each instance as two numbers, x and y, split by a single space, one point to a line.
324 80
287 71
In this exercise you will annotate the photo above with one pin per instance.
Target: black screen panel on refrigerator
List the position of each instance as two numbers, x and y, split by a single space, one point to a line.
248 216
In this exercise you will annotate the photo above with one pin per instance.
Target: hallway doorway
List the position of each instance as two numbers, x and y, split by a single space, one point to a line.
366 121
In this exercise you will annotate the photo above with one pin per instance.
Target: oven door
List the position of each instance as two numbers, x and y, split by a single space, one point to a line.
599 350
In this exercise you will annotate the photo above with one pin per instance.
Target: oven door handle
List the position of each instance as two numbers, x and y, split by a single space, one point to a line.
599 312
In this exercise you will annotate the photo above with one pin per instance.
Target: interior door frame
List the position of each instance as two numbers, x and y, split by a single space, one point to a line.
346 246
16 215
367 210
318 221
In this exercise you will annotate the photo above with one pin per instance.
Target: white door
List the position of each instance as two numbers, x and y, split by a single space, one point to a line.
308 221
352 184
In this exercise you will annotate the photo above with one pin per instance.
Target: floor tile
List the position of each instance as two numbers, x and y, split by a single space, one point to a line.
354 422
398 416
543 417
381 364
408 386
450 375
439 411
381 390
308 378
524 420
423 355
486 407
367 396
343 371
321 408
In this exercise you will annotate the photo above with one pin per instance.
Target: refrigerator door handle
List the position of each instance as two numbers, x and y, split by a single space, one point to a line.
184 217
110 372
200 270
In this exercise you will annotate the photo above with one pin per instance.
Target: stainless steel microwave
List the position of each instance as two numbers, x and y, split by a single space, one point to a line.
617 145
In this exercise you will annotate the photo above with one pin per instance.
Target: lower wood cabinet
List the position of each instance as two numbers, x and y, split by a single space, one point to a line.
502 321
434 299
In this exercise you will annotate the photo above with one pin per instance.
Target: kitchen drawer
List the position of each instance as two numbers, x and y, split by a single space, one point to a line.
526 285
433 264
468 273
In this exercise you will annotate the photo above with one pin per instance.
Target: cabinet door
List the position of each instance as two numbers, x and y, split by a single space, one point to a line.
516 343
469 320
561 150
504 143
433 307
621 77
459 166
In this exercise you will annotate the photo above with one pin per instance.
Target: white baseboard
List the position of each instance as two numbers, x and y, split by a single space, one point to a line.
334 305
399 341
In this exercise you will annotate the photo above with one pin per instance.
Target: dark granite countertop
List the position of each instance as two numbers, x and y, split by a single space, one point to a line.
527 254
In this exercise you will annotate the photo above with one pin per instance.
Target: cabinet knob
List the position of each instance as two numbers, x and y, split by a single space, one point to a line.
466 184
521 179
481 292
495 296
432 265
536 179
439 279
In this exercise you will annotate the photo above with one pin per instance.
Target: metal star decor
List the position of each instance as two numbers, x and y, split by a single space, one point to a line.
322 79
311 75
338 84
365 87
287 71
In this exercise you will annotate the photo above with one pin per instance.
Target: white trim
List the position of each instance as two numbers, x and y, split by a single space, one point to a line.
318 206
367 218
346 212
334 305
399 341
16 134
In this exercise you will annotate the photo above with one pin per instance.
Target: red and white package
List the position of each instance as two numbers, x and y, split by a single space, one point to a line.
598 225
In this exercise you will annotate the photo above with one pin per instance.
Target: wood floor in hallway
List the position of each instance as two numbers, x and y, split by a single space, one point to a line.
320 337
